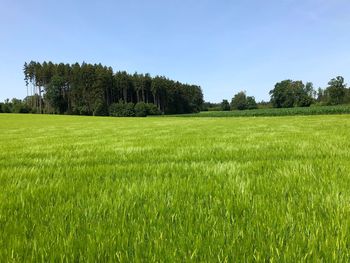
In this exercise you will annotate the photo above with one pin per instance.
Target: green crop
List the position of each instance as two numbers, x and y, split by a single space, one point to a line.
96 189
315 110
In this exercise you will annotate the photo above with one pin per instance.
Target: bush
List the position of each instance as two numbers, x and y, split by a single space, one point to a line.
122 109
101 109
152 109
129 110
6 108
141 109
217 108
115 109
24 109
20 108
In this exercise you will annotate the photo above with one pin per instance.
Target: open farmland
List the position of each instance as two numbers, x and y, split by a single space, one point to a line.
93 189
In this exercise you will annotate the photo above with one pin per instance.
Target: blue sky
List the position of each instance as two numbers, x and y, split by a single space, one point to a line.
223 46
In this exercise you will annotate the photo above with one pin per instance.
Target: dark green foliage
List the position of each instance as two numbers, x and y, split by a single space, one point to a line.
225 106
83 110
54 94
251 103
141 109
91 89
129 110
101 109
144 109
306 95
264 105
243 102
336 91
6 108
116 109
152 109
181 98
288 94
122 109
209 106
88 89
14 106
19 106
239 101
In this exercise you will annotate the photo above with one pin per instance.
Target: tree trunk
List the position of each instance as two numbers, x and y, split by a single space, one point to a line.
40 100
154 100
125 94
137 96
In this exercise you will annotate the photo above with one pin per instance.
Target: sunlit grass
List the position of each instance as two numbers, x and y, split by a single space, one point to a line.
174 189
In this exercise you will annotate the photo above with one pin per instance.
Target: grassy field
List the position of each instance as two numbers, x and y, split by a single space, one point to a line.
97 189
313 110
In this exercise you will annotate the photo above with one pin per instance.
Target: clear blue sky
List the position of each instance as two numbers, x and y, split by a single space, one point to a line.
223 46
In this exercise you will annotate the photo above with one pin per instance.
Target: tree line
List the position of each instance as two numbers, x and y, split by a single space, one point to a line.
93 89
289 94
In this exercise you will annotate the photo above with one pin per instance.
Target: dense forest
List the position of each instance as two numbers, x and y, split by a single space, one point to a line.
88 89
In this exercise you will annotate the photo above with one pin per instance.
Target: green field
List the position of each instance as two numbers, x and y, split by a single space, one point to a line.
313 110
170 189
